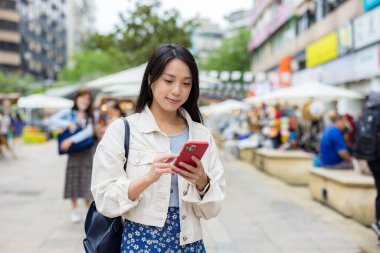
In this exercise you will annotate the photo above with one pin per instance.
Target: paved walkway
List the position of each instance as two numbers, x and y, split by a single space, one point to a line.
260 214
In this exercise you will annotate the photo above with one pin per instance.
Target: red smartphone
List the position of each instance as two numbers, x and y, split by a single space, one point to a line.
189 149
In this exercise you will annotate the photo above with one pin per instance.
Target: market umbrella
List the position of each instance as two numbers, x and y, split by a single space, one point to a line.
38 101
126 77
227 106
306 91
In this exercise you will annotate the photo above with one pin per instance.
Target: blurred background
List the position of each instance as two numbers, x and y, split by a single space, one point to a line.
274 75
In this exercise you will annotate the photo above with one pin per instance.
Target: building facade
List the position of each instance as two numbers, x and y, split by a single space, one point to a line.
236 21
10 38
205 37
80 24
33 37
332 41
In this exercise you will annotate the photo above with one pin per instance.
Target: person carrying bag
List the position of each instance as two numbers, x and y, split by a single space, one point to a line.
78 119
161 204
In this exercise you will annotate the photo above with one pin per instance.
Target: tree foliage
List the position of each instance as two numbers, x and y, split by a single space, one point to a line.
89 64
15 83
140 31
231 55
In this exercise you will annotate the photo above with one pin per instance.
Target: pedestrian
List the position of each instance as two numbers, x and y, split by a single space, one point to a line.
160 204
5 129
18 125
333 148
113 112
367 146
79 164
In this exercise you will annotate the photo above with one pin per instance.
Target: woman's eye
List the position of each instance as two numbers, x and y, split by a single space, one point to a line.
187 84
168 81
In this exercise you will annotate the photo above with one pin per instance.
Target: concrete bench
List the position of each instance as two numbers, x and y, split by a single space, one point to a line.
219 140
346 191
247 154
290 166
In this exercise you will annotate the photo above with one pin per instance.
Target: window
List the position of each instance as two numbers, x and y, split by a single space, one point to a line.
9 46
8 4
8 25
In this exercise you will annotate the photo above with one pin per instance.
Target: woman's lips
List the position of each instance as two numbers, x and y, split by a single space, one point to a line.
173 101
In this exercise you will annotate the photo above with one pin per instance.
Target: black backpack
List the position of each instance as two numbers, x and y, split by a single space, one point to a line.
103 234
367 136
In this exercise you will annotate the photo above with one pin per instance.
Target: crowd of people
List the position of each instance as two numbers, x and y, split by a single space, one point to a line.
337 141
287 127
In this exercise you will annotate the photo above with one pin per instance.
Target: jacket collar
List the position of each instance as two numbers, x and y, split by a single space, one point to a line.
148 124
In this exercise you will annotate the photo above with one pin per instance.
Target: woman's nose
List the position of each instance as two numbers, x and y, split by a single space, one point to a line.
176 89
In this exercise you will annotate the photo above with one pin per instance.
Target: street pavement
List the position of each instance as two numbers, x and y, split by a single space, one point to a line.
260 214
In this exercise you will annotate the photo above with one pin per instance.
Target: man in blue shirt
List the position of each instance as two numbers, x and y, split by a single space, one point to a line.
333 150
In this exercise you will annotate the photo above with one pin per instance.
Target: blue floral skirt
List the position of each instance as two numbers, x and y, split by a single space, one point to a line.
142 238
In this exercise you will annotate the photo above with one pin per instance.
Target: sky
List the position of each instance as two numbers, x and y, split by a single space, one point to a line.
107 13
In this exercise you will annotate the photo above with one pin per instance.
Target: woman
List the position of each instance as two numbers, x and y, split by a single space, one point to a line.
79 164
113 112
161 204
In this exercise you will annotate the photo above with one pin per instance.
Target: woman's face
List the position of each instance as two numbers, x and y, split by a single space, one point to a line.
172 88
112 113
83 102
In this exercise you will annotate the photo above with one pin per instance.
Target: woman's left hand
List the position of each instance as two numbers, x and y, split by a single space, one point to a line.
65 145
195 175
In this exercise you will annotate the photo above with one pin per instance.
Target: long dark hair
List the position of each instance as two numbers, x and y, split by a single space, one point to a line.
81 92
156 65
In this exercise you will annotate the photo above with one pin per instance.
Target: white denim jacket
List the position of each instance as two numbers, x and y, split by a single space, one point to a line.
110 183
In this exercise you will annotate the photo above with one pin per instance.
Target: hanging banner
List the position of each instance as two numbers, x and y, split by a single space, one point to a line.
285 71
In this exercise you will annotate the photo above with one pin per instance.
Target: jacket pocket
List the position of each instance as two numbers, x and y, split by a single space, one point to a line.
139 162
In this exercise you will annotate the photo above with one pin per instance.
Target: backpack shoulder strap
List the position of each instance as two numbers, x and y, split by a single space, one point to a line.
126 141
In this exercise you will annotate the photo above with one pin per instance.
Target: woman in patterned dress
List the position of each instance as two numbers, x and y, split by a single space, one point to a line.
161 204
79 164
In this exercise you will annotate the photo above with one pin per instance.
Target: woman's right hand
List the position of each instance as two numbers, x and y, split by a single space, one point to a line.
161 165
72 127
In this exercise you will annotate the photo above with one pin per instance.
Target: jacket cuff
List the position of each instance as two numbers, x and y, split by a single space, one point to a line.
213 194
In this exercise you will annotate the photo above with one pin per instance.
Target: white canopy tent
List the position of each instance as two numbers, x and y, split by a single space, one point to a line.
128 82
39 101
126 77
224 107
309 90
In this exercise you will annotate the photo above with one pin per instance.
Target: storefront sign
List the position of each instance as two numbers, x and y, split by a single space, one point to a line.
322 51
370 4
367 29
366 63
338 71
306 75
345 39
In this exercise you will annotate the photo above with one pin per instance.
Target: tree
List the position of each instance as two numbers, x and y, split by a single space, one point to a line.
140 31
15 83
231 55
144 29
88 65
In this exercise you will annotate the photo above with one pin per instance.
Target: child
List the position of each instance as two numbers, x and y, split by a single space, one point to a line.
160 203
